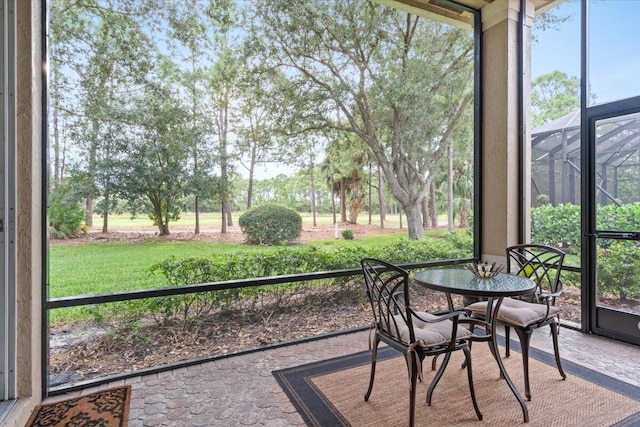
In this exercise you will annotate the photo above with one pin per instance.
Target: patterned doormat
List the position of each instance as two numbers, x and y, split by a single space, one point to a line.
105 408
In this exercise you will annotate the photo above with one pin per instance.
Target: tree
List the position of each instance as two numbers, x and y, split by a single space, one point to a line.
343 168
223 85
154 168
190 42
100 51
256 138
397 79
554 95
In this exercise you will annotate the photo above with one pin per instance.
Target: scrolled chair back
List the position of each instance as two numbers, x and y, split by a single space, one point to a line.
387 288
540 263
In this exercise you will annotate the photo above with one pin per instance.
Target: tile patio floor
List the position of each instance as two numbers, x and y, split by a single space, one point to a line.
241 391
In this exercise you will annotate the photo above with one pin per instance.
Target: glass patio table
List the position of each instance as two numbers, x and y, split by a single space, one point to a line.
463 282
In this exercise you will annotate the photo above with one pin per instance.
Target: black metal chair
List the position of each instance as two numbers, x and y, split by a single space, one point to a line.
542 264
415 334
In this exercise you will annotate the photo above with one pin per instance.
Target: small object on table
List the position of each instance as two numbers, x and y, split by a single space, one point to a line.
484 270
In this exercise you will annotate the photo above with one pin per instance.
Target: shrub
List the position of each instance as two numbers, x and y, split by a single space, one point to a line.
347 234
66 214
618 272
557 226
270 224
284 261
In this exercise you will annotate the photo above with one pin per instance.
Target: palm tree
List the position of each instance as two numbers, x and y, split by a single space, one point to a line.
343 168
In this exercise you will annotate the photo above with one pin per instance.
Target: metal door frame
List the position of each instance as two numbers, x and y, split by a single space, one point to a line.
594 319
601 320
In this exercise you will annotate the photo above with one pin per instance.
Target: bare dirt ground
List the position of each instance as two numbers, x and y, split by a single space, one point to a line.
211 234
92 351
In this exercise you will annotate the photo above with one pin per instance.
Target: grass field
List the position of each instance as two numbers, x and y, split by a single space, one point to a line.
99 268
103 268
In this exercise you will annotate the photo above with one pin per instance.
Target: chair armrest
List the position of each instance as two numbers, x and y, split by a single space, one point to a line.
440 317
547 296
452 316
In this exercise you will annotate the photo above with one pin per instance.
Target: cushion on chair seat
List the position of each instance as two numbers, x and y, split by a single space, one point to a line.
432 334
517 312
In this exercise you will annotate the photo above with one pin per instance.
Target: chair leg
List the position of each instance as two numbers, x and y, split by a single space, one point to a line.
507 332
435 380
467 362
525 338
374 356
412 392
556 350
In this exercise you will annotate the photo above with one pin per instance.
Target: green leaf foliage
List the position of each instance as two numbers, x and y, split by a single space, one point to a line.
284 261
291 260
270 224
560 225
557 226
347 234
619 270
66 214
618 261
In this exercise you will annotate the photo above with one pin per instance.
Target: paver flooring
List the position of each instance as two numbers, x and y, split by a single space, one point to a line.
241 391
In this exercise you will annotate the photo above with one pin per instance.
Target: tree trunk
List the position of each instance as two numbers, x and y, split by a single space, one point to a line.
163 223
414 221
343 201
226 212
105 213
56 142
250 189
464 217
333 202
450 188
381 197
196 206
433 206
93 149
89 209
370 190
425 213
313 197
223 214
164 228
229 213
252 167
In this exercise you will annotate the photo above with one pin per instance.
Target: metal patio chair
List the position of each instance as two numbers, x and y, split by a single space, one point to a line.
543 265
414 334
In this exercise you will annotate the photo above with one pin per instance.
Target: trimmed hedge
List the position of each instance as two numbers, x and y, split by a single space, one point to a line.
618 261
283 261
270 224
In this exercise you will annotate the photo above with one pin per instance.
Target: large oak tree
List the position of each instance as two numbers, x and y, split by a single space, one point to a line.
401 82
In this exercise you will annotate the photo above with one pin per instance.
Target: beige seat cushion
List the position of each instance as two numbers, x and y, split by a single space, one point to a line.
432 334
517 312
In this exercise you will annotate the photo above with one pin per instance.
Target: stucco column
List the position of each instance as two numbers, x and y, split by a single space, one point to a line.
29 210
501 126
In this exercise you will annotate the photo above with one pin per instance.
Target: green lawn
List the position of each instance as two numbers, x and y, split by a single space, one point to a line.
100 268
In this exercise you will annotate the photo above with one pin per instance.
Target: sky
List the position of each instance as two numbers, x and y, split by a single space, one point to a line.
614 54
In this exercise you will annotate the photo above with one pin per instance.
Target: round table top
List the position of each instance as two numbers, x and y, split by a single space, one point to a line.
464 282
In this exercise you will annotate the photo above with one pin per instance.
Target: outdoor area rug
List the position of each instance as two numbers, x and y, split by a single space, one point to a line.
105 408
331 392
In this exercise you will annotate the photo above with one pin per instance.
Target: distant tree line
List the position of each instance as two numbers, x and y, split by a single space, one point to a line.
157 106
